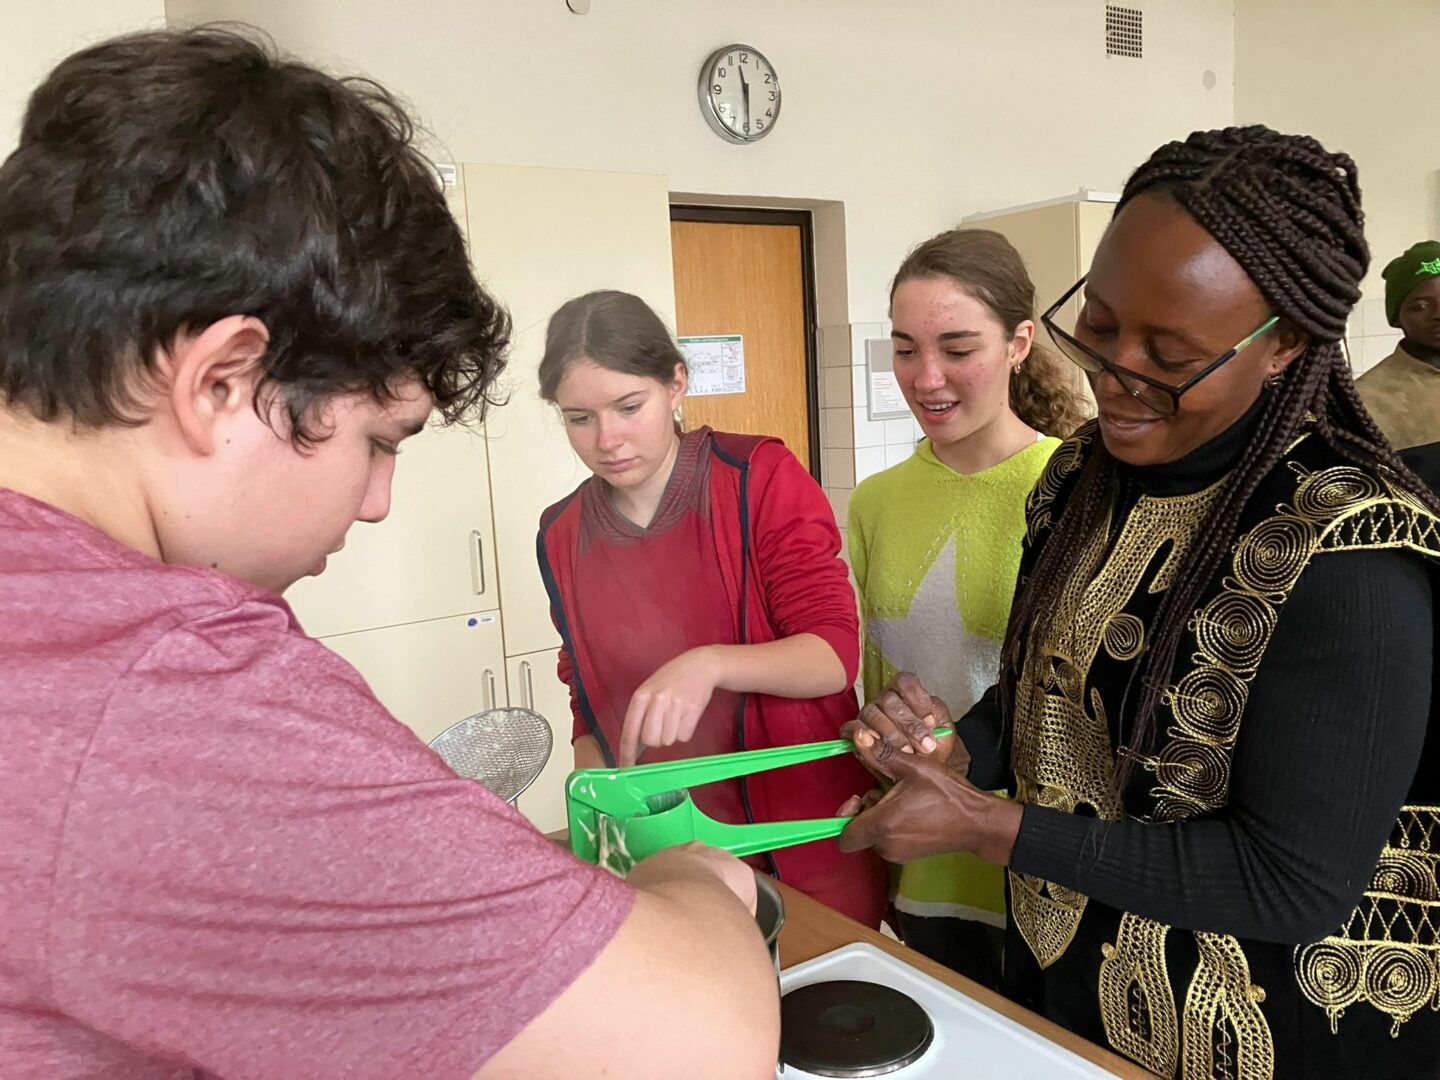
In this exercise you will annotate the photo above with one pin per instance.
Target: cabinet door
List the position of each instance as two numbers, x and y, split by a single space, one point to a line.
433 556
538 238
431 674
534 685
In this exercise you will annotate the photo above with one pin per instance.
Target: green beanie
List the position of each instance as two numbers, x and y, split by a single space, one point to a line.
1405 273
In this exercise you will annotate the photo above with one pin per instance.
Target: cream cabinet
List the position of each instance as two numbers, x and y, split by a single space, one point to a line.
538 238
433 556
1057 240
431 674
535 685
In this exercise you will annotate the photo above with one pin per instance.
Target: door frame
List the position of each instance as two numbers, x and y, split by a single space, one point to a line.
747 215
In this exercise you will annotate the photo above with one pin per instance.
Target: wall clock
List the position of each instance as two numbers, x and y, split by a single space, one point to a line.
739 94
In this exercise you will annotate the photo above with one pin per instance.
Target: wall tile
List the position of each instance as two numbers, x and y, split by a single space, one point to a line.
839 469
900 431
868 462
867 432
837 428
839 502
859 388
859 334
895 453
835 388
834 343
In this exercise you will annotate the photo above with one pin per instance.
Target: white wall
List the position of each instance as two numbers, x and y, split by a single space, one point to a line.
36 34
1359 78
910 112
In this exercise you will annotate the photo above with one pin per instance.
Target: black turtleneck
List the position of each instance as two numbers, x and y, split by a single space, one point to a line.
1334 725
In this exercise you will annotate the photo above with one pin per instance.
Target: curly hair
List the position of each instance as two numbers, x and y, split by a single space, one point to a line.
1288 212
988 268
166 180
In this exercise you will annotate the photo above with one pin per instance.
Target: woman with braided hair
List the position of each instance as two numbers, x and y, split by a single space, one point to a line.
1216 685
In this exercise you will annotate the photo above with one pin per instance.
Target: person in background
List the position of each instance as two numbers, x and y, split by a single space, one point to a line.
1216 706
1402 392
696 583
230 288
935 540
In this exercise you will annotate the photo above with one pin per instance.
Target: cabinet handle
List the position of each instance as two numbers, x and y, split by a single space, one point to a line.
490 700
477 561
527 697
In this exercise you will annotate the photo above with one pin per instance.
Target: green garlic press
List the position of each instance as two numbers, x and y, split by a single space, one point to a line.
620 816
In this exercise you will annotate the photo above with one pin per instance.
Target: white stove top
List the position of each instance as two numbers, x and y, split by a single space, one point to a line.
971 1040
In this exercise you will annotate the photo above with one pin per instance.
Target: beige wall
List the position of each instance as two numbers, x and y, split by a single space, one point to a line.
1358 77
35 34
910 112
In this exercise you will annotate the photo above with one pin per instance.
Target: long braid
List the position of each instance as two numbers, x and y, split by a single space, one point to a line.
1289 212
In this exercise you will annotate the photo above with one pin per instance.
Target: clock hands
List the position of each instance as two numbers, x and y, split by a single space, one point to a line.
745 94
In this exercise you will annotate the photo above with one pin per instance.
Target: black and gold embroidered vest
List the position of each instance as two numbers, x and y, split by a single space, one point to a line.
1189 1004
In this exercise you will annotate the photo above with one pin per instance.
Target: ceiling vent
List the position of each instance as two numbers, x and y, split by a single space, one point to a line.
1124 32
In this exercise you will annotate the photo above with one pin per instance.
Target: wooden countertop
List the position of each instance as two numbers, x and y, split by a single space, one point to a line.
811 929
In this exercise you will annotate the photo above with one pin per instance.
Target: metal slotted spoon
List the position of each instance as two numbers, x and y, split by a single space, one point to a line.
504 749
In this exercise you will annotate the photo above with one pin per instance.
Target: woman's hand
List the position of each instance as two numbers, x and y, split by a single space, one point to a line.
667 706
901 720
930 810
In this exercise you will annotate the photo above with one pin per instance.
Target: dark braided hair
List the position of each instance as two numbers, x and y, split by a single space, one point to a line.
1289 213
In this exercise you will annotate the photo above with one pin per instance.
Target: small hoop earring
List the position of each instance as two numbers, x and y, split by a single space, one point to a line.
1274 380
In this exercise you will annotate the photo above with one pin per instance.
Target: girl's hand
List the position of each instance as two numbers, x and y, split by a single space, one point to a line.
667 707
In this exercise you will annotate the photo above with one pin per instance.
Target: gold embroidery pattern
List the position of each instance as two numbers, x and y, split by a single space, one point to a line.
1340 508
1137 1005
1388 954
1226 1036
1063 757
1068 457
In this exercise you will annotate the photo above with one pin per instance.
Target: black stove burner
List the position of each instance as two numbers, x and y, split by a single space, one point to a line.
848 1028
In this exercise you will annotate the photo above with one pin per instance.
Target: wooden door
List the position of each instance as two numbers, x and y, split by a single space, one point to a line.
539 237
431 674
433 556
750 277
535 685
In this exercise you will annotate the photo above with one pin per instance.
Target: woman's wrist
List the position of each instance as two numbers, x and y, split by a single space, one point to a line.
997 826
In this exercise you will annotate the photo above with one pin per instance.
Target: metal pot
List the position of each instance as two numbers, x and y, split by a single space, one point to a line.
769 915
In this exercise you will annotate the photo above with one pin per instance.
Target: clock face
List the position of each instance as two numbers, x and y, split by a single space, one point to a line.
739 94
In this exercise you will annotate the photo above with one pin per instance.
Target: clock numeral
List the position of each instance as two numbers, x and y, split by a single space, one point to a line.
721 72
768 76
744 58
718 88
730 59
759 125
772 95
747 127
770 113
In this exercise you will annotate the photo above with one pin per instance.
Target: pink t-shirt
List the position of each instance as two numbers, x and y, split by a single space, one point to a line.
221 856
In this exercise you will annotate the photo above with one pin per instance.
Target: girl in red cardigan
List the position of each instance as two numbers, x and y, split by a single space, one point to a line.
696 583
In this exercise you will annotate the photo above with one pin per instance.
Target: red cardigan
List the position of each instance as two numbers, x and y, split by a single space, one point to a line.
778 550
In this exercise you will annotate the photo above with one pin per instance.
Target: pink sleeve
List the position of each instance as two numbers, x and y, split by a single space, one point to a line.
797 544
292 884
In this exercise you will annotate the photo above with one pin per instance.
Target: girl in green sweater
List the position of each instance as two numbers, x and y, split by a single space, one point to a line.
935 541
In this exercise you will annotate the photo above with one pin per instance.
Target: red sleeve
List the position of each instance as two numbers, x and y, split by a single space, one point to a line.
264 874
797 546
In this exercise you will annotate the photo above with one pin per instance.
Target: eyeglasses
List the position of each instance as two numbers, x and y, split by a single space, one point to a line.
1160 397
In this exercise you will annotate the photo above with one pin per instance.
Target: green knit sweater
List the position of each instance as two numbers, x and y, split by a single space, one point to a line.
935 555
